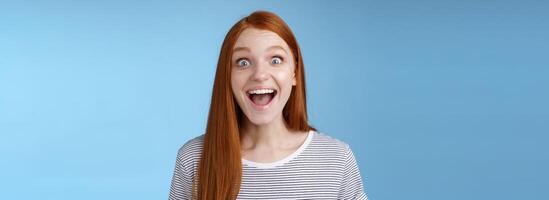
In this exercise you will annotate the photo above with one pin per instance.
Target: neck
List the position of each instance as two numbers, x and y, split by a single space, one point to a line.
273 135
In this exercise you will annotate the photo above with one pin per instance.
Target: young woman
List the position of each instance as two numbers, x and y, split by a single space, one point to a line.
258 143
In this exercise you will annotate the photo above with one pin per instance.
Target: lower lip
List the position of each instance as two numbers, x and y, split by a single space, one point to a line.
262 107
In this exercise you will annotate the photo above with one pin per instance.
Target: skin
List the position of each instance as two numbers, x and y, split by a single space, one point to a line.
262 59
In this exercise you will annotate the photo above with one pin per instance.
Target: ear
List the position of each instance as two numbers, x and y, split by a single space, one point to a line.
294 82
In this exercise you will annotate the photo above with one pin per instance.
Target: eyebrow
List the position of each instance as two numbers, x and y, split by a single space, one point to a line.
270 48
241 49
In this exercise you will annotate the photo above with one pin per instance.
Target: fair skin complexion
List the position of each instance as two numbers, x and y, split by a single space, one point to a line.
262 62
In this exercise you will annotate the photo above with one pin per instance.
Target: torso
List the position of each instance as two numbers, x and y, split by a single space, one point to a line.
316 170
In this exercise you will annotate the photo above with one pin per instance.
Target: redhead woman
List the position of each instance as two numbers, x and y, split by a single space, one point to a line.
258 143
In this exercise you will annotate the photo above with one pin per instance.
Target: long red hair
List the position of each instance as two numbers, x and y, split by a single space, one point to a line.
220 168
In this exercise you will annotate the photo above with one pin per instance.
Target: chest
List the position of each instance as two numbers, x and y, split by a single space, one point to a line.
304 182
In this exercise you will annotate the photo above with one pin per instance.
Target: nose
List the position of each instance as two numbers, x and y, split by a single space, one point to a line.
261 72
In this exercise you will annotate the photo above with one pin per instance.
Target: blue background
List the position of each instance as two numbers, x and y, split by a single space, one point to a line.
438 99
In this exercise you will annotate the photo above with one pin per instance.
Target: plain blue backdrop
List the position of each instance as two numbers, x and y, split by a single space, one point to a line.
438 99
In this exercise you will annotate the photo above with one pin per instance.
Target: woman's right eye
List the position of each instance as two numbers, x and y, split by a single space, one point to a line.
243 62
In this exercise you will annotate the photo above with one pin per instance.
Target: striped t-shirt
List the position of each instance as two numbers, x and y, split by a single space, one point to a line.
321 168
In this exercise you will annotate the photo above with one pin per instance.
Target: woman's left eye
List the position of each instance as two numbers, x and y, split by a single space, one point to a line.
276 60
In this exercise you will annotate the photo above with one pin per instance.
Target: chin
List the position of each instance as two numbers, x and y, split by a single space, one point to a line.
261 120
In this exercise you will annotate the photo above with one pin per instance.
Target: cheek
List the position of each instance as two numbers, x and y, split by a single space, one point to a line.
238 81
285 80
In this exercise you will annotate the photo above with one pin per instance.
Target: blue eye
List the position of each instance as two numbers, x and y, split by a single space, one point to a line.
243 62
276 60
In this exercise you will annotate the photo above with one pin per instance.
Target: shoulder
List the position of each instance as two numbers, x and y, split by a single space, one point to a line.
189 153
329 145
328 141
193 143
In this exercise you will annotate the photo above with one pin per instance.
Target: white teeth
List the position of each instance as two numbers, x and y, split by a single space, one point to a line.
261 91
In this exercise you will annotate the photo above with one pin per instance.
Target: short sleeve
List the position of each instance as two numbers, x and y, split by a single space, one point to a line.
352 181
181 186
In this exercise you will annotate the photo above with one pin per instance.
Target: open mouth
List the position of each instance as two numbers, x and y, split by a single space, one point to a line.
261 97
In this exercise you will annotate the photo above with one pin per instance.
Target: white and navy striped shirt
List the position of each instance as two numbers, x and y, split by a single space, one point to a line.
322 168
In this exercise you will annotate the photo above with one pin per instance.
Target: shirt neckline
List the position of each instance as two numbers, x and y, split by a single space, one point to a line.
284 160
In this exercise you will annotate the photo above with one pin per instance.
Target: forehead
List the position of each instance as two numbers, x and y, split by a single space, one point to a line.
257 39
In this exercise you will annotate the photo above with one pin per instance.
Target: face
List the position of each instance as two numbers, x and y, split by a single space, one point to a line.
262 75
